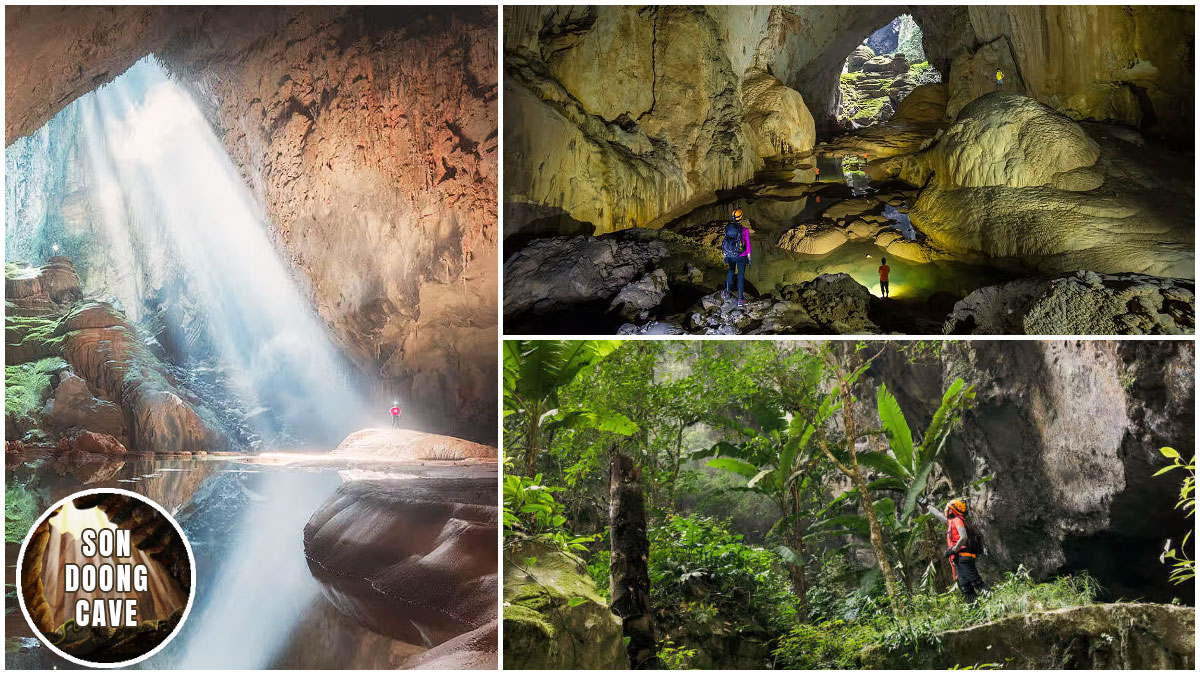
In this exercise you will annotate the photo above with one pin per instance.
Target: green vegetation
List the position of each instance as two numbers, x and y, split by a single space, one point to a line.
25 388
1184 568
869 109
920 67
20 511
838 643
780 483
31 337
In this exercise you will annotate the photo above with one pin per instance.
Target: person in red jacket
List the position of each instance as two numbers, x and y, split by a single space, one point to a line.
884 272
963 546
395 411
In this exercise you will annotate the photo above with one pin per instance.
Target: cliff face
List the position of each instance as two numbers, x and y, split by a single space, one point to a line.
368 136
621 117
1069 433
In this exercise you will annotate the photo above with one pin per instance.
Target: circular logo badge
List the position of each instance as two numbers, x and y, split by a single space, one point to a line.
106 578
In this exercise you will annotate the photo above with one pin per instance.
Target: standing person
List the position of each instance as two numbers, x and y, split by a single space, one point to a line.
736 247
963 545
999 80
884 271
395 411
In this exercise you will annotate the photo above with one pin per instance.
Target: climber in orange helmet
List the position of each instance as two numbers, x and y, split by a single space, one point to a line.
963 546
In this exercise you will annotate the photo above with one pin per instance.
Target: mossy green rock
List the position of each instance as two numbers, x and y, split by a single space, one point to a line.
1107 636
542 630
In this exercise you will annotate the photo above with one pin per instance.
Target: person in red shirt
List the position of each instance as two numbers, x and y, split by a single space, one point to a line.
963 546
884 271
395 410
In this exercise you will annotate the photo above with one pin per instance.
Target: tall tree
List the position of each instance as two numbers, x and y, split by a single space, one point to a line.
629 580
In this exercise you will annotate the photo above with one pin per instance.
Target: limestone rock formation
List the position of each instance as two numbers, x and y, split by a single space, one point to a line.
1018 182
106 352
555 273
1072 465
407 445
101 444
73 406
545 627
831 303
1124 636
780 123
1006 140
369 137
1084 303
858 57
413 559
973 74
637 299
887 64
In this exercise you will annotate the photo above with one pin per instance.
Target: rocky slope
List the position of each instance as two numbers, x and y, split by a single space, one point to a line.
1069 433
78 367
368 136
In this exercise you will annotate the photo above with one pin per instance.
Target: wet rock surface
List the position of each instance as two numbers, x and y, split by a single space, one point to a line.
1084 303
1125 636
413 559
545 627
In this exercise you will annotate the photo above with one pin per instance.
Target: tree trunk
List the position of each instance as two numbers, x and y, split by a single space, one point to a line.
864 501
629 579
531 451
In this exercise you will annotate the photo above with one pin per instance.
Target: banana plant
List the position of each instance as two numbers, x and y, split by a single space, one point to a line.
778 462
535 371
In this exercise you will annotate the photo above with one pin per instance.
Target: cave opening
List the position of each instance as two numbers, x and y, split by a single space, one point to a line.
130 184
881 72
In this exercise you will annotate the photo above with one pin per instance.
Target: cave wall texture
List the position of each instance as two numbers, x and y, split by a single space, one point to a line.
1070 432
621 117
369 137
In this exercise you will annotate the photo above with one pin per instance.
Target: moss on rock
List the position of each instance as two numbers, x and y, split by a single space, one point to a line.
26 387
553 616
1106 636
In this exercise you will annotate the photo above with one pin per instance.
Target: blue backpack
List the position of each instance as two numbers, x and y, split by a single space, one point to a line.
732 245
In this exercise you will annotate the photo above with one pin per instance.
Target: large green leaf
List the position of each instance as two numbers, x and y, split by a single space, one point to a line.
883 463
789 555
610 422
946 413
896 428
763 479
916 489
735 465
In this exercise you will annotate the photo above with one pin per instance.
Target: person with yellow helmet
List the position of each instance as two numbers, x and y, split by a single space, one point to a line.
736 248
963 546
999 79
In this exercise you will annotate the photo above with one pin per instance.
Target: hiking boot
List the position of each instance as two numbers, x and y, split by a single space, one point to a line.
741 303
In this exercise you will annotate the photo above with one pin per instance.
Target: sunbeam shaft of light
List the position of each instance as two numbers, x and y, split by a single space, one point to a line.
170 211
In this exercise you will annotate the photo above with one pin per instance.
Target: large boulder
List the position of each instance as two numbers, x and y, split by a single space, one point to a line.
858 57
407 445
635 301
1008 140
887 64
73 406
1029 188
546 627
1084 303
413 559
559 272
1124 636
